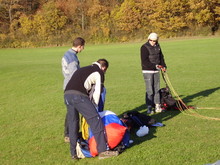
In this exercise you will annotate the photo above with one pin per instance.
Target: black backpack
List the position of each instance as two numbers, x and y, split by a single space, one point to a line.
134 119
167 101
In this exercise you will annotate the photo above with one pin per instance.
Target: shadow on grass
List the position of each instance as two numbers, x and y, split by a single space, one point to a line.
201 94
161 117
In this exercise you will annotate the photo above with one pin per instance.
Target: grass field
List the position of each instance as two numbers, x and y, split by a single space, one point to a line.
32 109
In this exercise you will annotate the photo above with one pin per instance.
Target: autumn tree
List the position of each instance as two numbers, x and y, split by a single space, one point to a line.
12 10
127 17
168 17
217 13
200 12
70 9
49 22
47 25
99 21
146 8
217 18
4 20
204 13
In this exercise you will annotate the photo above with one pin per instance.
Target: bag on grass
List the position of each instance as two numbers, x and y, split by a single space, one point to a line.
143 130
167 101
134 119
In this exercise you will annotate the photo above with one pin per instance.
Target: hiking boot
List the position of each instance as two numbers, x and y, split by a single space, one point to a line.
150 110
108 154
66 139
158 108
75 157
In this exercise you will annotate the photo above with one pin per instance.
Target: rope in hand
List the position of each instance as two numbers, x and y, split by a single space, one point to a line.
180 104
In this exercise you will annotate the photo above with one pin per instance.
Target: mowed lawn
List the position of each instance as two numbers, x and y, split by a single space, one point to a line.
32 109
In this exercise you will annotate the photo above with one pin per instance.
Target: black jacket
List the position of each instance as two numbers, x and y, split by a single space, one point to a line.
85 78
151 56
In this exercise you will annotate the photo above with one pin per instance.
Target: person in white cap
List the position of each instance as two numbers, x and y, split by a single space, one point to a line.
152 61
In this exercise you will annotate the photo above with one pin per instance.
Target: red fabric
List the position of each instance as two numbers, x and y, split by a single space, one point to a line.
115 133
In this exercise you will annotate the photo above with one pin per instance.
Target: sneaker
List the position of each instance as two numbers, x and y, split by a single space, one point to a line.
75 157
108 154
66 139
158 108
149 110
152 111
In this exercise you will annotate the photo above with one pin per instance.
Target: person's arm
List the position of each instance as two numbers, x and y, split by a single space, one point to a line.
97 91
93 84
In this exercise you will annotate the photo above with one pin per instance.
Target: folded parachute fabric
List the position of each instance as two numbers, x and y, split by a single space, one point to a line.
115 131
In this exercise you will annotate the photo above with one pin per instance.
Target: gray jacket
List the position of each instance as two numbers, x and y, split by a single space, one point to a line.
70 64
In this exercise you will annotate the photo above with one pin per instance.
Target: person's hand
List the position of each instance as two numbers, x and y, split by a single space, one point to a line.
159 66
163 69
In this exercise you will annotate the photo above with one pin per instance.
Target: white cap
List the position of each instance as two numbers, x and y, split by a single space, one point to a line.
153 36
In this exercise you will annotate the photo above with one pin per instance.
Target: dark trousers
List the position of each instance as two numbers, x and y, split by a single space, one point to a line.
77 103
100 109
66 127
152 82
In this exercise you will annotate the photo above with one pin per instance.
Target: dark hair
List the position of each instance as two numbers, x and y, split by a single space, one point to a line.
78 42
103 62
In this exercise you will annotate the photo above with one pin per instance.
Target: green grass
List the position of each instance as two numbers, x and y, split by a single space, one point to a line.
32 110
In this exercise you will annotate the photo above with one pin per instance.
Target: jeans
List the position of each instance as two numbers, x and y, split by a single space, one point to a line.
152 82
76 104
100 109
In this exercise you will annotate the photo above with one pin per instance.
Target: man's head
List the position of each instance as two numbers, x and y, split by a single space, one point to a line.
153 38
104 64
78 44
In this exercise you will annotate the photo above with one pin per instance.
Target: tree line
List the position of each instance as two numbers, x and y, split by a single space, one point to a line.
33 23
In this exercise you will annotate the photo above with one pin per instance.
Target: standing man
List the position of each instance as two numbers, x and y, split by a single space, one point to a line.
70 64
152 61
77 101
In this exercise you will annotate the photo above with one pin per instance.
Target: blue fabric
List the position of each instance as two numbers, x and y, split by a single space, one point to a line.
102 100
158 124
